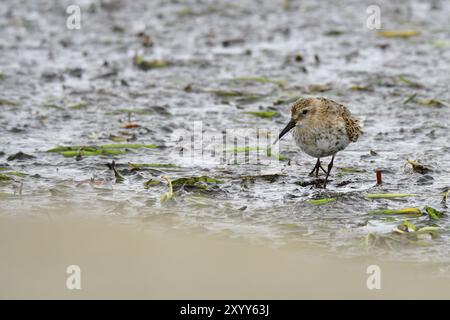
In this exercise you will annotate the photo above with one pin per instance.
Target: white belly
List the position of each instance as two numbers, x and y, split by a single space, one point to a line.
321 143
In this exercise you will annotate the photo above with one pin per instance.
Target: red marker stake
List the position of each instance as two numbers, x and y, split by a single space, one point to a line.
379 179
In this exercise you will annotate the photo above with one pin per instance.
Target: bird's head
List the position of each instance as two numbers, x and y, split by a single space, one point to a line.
301 112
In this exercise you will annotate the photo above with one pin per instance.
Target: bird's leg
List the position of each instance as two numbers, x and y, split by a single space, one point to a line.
315 170
330 165
320 166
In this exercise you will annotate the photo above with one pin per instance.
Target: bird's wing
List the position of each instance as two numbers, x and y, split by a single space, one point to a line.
353 125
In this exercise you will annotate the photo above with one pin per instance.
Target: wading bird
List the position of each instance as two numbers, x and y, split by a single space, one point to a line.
322 127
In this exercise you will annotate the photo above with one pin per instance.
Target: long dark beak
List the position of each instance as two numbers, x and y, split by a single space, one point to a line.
286 129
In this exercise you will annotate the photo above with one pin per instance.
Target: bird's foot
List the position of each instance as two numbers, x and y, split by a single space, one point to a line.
315 170
313 174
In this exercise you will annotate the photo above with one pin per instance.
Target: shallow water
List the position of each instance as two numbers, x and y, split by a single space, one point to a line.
47 69
130 262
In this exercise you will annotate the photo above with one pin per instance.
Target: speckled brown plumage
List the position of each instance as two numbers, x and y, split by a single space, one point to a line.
321 128
352 125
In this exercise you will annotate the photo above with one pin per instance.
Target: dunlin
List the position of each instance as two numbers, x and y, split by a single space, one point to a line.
322 127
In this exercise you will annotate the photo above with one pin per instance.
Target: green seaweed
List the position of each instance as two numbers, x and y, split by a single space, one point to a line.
352 170
321 201
145 65
98 152
263 114
405 227
271 177
118 29
408 226
141 111
79 105
410 98
8 102
410 211
16 173
357 87
190 181
201 184
106 149
409 83
434 103
413 232
398 33
334 33
418 167
60 149
151 183
433 213
4 177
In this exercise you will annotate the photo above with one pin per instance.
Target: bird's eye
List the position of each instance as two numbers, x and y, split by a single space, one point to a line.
305 111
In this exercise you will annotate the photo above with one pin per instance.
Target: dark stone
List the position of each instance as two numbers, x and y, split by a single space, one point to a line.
20 156
51 76
344 183
425 180
232 42
315 182
16 130
75 72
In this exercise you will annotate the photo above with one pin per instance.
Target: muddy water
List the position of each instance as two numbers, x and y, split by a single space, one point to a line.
217 61
118 261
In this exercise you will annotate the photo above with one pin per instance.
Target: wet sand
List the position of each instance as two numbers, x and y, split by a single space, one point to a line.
123 261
